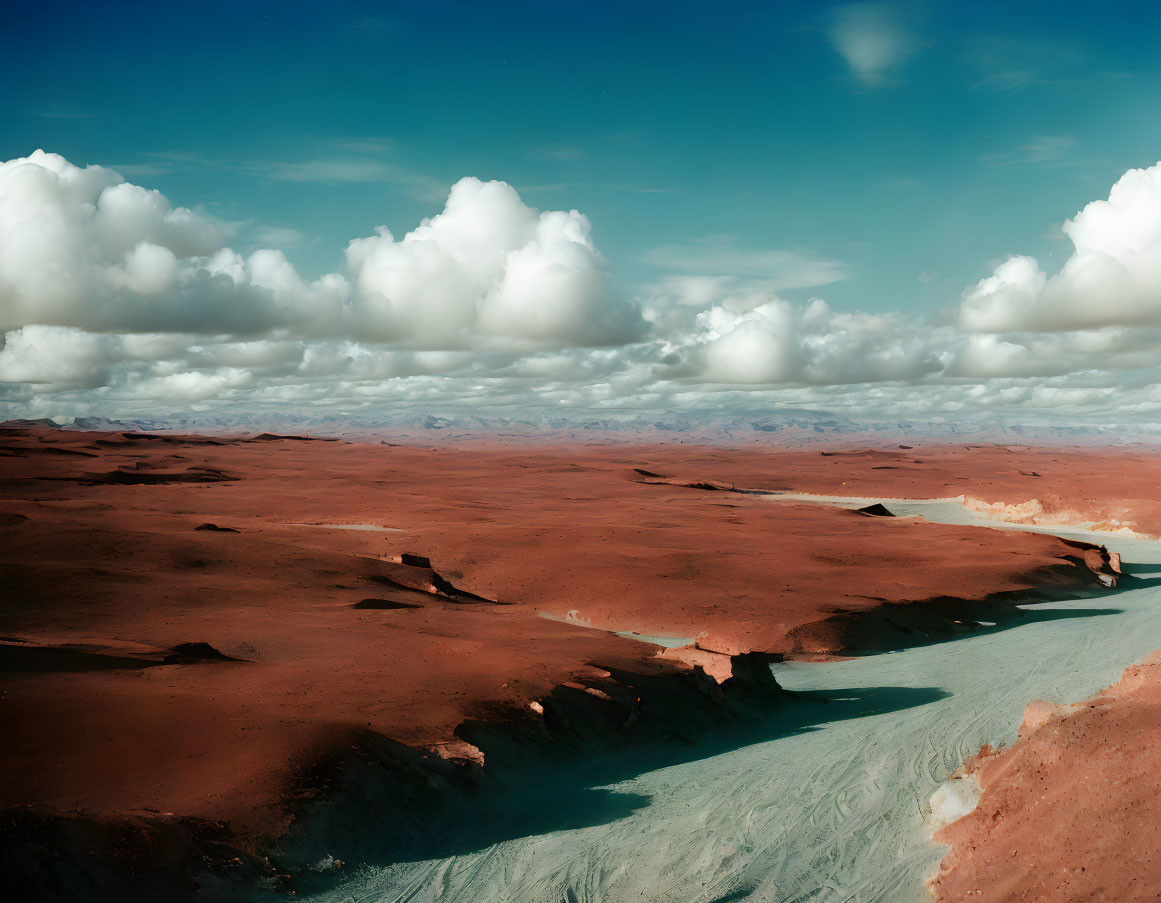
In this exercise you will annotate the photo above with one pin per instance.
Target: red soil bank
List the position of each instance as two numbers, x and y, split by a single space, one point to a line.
1111 485
1070 812
313 636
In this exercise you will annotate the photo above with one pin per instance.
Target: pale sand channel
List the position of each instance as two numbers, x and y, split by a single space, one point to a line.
837 810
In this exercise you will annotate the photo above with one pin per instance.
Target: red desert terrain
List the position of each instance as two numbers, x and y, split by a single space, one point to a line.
191 644
1072 811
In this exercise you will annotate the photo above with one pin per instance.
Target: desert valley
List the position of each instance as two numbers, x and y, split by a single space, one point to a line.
263 664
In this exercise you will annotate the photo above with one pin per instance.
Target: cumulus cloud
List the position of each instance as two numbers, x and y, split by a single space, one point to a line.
783 343
988 356
114 302
54 358
193 386
741 332
81 247
1025 354
488 271
1113 277
671 304
871 40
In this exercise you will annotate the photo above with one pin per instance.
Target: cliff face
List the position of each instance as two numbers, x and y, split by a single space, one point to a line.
195 661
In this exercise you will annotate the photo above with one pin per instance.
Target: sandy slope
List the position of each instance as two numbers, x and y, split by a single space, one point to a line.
1071 811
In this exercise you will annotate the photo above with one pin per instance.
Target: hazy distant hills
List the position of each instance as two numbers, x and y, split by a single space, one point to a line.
789 428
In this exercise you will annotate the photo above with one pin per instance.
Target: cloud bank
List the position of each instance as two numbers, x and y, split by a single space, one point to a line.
115 302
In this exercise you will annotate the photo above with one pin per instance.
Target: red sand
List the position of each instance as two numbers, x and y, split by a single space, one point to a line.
1113 486
1070 812
102 549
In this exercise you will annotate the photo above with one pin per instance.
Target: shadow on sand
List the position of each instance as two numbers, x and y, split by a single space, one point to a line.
528 796
531 788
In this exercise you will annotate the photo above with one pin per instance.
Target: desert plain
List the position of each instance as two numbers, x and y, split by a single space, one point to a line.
223 654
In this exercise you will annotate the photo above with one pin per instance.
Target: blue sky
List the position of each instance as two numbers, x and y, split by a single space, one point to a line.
722 126
885 156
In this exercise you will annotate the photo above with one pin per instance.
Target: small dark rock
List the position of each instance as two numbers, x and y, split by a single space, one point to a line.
875 510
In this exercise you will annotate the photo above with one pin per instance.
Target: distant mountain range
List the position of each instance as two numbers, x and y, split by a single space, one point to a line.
790 428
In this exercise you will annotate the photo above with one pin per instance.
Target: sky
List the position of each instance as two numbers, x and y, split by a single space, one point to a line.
870 208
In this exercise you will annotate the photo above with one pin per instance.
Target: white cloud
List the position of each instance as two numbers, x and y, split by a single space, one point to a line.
54 358
671 304
718 255
83 248
1113 277
990 356
1030 354
113 302
191 387
751 336
871 40
488 272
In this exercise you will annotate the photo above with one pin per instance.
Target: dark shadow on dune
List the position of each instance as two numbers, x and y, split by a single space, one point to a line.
276 437
383 604
1000 617
560 780
1036 615
1137 568
1021 616
45 659
121 477
20 451
129 477
1131 582
895 626
1031 615
530 789
19 657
